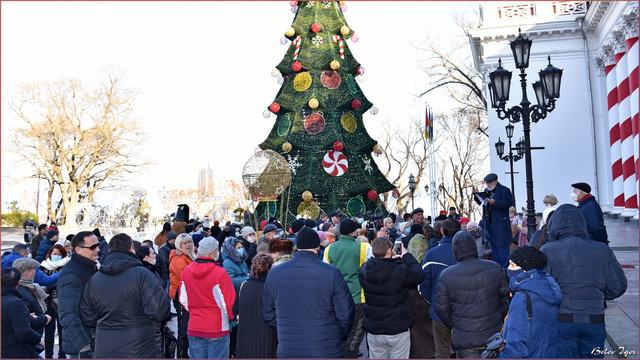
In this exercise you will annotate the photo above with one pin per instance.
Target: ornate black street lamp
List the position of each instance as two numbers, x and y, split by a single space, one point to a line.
547 90
510 157
412 188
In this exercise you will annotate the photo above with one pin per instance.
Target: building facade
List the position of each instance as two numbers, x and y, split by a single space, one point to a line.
592 135
205 183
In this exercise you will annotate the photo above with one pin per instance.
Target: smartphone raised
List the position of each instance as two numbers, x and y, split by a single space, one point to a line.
397 247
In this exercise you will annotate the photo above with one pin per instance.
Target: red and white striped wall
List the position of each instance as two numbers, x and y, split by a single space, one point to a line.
626 132
632 63
614 136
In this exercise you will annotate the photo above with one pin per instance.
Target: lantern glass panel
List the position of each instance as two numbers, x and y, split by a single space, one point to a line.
521 47
500 147
541 97
509 129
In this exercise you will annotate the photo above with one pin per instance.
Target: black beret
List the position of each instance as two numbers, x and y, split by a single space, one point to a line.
491 177
582 186
418 210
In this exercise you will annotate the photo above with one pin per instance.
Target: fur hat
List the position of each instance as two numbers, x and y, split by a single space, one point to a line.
278 245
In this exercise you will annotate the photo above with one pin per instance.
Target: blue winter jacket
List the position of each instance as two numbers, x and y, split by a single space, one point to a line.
436 260
234 264
587 271
595 221
41 278
43 249
309 305
536 337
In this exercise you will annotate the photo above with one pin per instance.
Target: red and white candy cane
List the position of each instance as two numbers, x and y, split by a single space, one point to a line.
338 39
297 42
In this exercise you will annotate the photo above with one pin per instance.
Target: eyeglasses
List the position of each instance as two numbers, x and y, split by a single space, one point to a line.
92 247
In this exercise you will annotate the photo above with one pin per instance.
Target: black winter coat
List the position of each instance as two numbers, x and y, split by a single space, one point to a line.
255 338
595 220
472 297
29 299
125 303
386 284
73 278
587 271
163 253
309 305
104 249
18 338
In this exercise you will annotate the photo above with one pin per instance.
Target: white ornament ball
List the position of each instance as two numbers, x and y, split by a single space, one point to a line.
266 113
280 80
373 110
360 79
284 40
275 73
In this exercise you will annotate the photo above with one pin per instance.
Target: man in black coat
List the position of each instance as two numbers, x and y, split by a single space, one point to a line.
386 280
18 338
32 294
591 211
129 302
77 340
308 303
472 297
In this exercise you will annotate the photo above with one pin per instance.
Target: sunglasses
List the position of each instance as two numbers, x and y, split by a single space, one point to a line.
92 247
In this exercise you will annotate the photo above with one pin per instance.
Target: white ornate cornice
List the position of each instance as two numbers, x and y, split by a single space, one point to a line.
596 12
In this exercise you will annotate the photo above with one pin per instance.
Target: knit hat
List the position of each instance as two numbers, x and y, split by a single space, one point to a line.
464 220
216 223
171 235
24 264
347 226
296 225
582 186
246 231
471 224
279 245
442 212
307 239
207 246
197 237
417 229
51 234
528 257
309 223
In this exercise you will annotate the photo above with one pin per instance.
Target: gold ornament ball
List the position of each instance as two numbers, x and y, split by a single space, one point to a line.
341 2
335 64
290 32
344 30
377 149
307 195
286 147
313 103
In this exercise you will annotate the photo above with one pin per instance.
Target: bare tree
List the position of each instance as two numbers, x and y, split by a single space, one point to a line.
462 161
405 150
78 139
450 68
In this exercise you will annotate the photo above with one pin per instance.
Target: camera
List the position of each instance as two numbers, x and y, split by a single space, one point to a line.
397 247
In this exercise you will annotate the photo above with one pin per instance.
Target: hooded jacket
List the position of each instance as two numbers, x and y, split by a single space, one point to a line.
309 305
234 264
125 303
587 271
207 293
536 337
472 296
178 261
436 260
386 284
43 249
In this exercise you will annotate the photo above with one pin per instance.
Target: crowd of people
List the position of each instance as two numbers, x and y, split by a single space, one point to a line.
318 289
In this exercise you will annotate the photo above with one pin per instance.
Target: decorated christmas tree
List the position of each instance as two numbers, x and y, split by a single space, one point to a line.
319 110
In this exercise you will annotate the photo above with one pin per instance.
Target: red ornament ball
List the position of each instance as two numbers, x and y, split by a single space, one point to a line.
296 66
355 104
372 195
360 70
275 107
395 193
316 27
338 146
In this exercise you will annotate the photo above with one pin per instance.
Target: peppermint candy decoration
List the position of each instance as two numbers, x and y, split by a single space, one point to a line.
335 163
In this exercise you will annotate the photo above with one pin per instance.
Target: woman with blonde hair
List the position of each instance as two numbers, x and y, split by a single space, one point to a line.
179 259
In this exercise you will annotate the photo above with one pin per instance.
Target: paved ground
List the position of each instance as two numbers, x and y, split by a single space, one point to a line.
621 314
